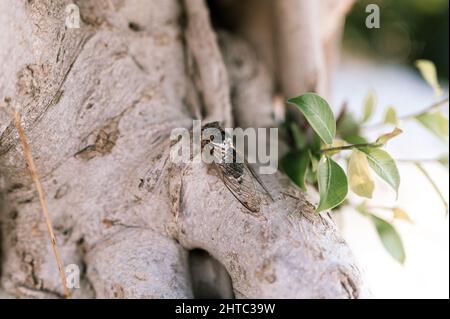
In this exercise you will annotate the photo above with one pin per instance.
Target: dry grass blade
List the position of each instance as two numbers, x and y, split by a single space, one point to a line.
35 177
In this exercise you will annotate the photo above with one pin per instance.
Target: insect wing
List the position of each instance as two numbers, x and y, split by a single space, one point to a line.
243 188
238 178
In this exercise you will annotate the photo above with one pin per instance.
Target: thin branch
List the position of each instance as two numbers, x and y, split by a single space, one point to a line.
428 109
34 175
410 160
433 183
348 147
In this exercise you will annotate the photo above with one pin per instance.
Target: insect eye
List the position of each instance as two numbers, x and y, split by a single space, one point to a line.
211 137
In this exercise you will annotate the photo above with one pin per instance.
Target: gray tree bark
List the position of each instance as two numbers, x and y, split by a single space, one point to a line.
98 104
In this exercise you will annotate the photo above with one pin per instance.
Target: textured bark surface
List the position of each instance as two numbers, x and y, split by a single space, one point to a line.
98 104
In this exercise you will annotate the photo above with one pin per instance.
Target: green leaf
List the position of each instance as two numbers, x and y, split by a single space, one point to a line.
333 187
294 164
359 176
390 117
347 126
298 136
389 238
314 162
436 122
369 106
355 139
318 114
349 129
428 71
311 177
315 144
383 164
383 139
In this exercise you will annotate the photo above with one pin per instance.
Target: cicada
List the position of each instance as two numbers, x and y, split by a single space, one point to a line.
234 170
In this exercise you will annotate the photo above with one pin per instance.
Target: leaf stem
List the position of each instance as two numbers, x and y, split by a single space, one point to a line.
433 183
348 147
413 161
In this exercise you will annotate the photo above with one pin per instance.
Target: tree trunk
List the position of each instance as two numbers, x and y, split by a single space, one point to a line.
98 104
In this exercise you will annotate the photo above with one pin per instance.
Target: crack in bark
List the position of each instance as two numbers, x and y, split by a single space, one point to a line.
349 285
39 291
105 140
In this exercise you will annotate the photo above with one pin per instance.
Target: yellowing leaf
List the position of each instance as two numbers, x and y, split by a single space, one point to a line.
386 137
401 214
360 178
436 122
390 117
428 71
369 106
443 160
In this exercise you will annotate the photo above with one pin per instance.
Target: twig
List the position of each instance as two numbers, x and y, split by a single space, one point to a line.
433 183
412 115
426 110
348 147
35 177
410 160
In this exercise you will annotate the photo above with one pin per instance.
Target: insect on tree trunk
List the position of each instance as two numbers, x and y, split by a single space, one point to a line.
98 104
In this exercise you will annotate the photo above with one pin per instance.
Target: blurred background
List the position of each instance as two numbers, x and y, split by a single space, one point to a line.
410 30
382 60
